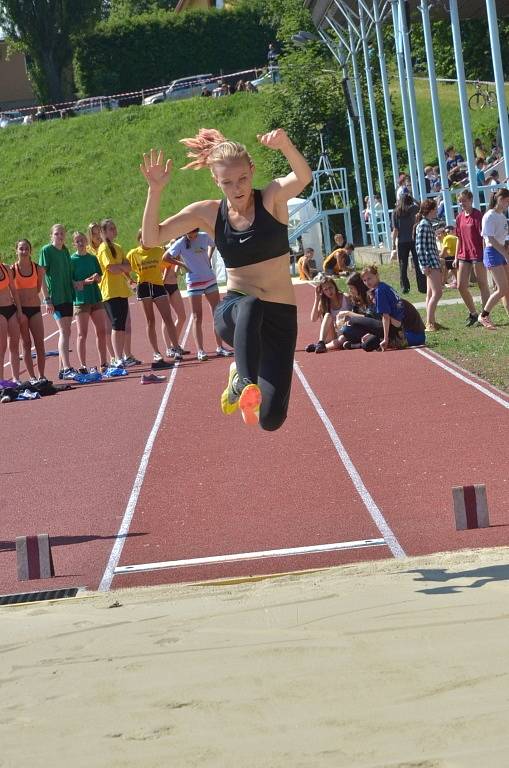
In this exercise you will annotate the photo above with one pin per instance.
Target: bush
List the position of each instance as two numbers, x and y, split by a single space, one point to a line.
132 53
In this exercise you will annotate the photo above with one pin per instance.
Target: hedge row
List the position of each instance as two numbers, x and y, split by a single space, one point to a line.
153 49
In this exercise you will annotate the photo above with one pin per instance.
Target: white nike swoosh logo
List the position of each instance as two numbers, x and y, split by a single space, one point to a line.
243 239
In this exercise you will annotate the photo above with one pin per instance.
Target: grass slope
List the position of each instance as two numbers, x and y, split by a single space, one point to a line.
86 168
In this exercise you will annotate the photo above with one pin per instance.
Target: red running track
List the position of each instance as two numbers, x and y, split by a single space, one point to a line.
213 487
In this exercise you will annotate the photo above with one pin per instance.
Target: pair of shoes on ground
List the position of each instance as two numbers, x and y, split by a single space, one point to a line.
248 401
319 347
220 352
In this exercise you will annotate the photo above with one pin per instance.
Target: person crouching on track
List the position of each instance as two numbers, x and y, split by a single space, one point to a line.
328 303
258 315
88 304
146 264
400 325
28 278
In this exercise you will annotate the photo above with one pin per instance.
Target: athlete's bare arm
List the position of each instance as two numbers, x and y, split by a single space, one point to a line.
279 191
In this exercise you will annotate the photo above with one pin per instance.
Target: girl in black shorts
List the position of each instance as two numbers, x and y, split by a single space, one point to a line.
10 313
28 278
258 315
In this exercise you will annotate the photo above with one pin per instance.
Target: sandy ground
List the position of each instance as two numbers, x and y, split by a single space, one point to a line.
384 664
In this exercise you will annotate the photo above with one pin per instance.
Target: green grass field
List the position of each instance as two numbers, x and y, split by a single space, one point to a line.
86 168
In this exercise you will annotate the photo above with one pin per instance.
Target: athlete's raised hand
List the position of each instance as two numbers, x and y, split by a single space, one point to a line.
155 170
277 139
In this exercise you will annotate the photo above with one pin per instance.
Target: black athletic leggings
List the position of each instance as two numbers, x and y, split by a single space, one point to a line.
263 335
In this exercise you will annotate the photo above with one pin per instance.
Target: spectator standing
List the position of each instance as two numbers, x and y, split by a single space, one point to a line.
58 291
429 260
469 254
404 188
272 60
403 239
88 304
28 278
496 252
195 251
10 315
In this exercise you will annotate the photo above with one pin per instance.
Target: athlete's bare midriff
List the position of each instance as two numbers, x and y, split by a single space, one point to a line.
267 280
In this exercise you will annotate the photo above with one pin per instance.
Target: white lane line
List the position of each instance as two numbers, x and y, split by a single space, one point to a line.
287 552
442 364
368 501
120 538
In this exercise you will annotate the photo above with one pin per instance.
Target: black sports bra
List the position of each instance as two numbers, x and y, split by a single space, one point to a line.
266 239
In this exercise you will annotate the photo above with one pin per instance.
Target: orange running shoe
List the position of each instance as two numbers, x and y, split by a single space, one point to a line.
249 404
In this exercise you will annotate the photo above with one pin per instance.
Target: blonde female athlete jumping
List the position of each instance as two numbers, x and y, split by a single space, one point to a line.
257 316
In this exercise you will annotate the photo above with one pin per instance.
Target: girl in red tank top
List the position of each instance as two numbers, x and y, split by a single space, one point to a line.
28 278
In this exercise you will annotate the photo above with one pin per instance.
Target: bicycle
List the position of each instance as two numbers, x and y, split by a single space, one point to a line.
482 98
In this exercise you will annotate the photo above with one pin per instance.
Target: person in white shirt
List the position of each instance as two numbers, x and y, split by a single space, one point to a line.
495 232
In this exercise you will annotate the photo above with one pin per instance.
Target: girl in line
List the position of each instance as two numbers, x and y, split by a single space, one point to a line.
58 292
194 252
115 291
258 315
496 252
176 302
328 303
88 304
469 254
28 278
429 260
94 241
10 314
146 264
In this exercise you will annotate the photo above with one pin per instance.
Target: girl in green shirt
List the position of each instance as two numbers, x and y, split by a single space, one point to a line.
88 305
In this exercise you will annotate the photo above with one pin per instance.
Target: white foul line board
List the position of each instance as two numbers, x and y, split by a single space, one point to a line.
288 552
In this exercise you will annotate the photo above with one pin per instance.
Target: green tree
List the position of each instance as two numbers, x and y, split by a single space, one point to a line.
125 8
43 30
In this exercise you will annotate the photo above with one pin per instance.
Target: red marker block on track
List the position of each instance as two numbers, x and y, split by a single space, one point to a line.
34 559
470 507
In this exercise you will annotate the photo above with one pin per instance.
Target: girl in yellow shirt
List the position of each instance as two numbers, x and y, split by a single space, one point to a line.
150 290
115 292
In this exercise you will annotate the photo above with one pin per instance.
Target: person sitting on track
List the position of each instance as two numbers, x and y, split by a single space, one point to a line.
88 304
329 301
400 324
28 277
150 290
10 314
58 293
362 305
258 315
170 280
194 253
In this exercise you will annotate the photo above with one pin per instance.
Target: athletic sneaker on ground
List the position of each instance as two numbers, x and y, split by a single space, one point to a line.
222 352
67 373
160 365
130 361
202 355
320 347
151 378
472 320
157 356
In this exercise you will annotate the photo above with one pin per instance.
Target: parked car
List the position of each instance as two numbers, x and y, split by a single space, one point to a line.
95 104
183 88
11 117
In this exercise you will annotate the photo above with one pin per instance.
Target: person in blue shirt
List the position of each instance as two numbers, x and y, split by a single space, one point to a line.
398 324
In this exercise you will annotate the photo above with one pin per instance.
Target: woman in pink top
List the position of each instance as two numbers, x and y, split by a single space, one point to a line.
470 254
